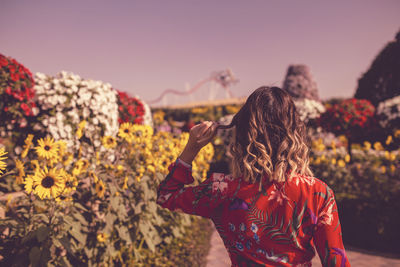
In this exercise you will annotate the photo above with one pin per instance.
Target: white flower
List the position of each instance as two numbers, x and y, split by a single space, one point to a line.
309 109
389 112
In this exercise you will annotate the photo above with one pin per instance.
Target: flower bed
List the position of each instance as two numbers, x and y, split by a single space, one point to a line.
95 210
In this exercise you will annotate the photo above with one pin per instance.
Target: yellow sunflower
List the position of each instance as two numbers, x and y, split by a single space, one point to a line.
3 165
27 146
49 183
109 142
19 165
100 189
70 182
29 184
126 131
47 148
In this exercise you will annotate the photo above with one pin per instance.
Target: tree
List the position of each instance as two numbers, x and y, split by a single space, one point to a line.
382 80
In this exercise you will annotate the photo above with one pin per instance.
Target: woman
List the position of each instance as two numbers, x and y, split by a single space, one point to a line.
270 211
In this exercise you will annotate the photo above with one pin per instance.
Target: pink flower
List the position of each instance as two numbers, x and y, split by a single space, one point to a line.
278 195
326 217
219 184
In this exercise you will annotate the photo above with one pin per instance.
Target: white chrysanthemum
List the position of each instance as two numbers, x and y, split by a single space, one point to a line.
67 99
389 111
147 117
308 109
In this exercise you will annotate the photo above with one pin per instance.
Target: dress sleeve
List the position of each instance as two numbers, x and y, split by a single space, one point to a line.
197 200
328 234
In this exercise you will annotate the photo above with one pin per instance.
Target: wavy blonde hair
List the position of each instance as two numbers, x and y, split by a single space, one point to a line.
269 142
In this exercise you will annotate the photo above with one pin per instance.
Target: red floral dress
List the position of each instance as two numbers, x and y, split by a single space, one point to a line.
277 226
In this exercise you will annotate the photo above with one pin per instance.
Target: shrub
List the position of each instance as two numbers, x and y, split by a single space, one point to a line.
66 100
351 117
367 191
17 104
382 80
132 109
299 83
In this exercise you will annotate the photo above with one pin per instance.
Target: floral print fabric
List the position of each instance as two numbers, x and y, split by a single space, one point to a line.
277 226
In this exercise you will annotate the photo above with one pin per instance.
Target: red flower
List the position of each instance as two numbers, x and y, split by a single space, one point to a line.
26 109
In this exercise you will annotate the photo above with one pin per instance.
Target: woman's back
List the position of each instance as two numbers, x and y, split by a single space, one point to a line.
276 226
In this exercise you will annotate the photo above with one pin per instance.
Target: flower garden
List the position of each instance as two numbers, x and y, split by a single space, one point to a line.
80 162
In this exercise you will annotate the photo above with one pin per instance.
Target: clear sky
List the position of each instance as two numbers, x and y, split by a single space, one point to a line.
145 47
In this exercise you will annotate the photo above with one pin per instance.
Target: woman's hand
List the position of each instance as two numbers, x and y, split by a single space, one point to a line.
199 136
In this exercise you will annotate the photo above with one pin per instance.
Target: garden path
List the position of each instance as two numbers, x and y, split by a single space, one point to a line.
218 257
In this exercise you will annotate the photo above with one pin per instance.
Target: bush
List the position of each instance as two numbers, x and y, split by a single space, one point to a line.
132 109
76 110
367 191
17 105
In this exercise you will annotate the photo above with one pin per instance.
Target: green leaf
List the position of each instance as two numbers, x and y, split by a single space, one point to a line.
34 256
42 233
80 218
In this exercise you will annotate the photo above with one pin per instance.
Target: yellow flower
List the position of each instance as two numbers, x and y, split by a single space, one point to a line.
80 167
367 145
158 116
81 127
126 131
19 165
389 140
383 169
392 168
397 133
125 186
341 163
47 148
151 169
109 142
392 156
378 146
49 183
3 165
100 189
29 184
94 176
27 146
70 182
102 237
317 161
347 158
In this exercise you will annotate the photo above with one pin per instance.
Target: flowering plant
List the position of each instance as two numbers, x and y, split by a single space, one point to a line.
132 109
75 109
16 94
388 112
309 109
348 117
95 211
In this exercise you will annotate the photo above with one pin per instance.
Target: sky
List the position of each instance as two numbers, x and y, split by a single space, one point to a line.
145 47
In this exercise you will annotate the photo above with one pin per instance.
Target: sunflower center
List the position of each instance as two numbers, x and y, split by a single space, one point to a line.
110 141
48 182
47 148
126 130
100 188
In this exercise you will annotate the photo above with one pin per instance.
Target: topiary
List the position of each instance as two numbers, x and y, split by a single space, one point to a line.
300 83
382 80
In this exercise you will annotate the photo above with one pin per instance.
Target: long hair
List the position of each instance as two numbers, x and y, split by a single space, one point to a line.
269 142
